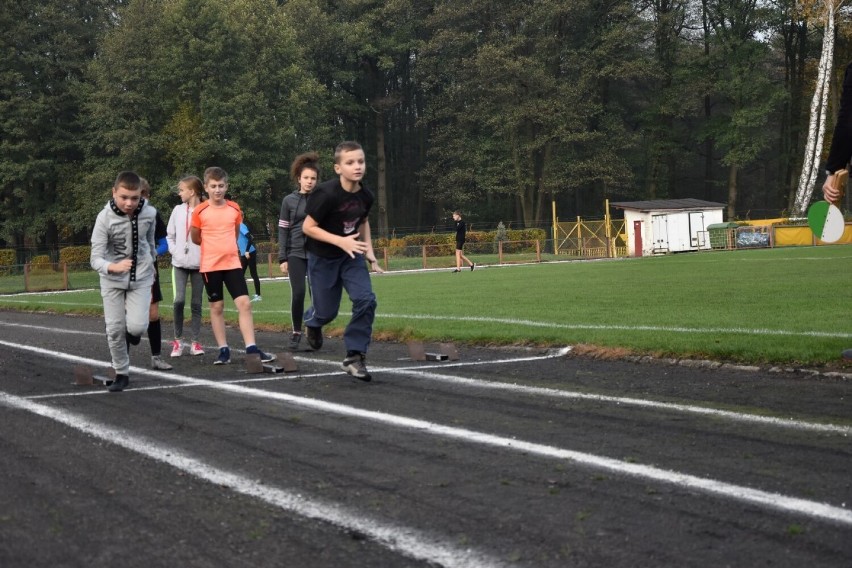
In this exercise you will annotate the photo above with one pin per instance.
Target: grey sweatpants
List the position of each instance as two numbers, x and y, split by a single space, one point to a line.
180 276
124 311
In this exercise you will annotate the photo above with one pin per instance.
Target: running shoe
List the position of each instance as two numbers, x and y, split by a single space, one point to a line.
315 337
177 348
265 358
196 349
356 366
120 383
295 339
224 356
159 364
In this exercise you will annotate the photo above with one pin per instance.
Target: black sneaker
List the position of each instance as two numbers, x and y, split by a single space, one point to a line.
264 358
224 356
472 266
120 383
355 366
295 339
315 337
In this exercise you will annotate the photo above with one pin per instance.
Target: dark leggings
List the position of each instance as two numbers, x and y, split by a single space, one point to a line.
297 268
251 262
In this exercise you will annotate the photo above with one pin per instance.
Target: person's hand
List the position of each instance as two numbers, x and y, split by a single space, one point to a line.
829 192
121 266
352 246
374 264
247 254
283 267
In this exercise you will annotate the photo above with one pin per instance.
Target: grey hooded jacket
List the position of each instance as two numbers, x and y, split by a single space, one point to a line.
117 236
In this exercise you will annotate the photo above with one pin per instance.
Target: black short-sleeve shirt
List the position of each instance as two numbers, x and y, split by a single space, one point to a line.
337 211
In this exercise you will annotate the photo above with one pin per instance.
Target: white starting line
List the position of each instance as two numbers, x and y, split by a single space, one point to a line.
765 499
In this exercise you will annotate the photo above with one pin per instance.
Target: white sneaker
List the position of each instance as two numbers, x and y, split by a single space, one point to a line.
196 349
177 348
159 364
256 298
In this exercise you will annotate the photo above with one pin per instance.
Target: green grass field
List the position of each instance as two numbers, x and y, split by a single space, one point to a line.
785 306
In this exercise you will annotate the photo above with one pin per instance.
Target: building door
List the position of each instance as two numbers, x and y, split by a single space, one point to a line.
697 232
660 230
637 238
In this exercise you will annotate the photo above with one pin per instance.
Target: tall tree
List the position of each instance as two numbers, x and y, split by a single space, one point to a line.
364 51
819 104
745 85
522 99
44 49
181 85
671 94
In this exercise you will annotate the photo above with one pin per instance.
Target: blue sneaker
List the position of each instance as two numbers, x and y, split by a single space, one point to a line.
264 358
224 356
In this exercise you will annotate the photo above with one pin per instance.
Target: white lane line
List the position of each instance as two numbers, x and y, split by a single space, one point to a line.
619 327
404 540
562 325
765 499
620 400
538 391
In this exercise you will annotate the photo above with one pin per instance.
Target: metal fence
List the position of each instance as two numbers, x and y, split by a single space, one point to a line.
591 239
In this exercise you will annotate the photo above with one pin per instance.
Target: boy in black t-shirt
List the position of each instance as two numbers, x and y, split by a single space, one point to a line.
339 240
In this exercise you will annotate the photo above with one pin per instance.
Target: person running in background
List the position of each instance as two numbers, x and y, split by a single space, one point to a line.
124 255
215 225
461 235
291 241
248 258
155 330
186 260
339 240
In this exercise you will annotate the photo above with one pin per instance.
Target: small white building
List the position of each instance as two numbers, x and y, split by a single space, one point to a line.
668 225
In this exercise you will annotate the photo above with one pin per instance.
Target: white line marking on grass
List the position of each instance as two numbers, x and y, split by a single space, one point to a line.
765 499
619 327
407 541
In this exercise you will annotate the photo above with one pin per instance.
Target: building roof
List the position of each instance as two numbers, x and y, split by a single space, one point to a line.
669 205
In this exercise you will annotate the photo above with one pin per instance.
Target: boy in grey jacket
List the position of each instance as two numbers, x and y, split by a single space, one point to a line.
124 253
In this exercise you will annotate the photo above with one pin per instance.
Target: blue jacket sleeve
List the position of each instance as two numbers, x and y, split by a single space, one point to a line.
162 246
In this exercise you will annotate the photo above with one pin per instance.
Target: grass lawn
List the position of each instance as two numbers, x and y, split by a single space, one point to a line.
786 305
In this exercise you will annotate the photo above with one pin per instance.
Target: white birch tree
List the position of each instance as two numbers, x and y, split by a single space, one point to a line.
816 127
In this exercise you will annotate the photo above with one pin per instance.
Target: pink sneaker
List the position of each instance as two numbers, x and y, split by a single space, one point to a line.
177 348
196 349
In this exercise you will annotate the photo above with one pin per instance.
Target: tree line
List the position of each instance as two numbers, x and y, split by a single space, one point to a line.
496 107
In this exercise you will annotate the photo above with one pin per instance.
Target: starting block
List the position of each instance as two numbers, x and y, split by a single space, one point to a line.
283 364
286 363
85 376
446 351
449 349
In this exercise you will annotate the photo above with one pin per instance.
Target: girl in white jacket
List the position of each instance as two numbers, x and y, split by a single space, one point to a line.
186 260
